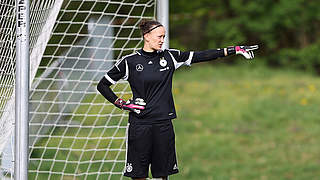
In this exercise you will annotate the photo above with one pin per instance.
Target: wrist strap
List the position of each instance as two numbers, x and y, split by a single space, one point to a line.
119 103
231 50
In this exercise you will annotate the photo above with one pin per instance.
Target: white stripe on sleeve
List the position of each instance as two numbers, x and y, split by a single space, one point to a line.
188 62
126 76
176 64
109 79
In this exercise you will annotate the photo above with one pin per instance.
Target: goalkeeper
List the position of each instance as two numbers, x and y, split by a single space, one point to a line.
149 71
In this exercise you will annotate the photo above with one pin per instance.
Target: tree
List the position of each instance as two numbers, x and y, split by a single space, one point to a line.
286 30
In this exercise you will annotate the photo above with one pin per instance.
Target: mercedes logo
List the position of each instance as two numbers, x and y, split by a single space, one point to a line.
139 67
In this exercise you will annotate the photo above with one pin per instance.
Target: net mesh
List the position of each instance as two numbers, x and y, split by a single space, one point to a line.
40 12
74 132
7 68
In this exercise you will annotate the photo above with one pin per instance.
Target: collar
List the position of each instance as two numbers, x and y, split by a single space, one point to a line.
149 54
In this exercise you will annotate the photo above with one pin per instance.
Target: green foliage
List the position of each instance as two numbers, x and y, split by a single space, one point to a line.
246 123
286 28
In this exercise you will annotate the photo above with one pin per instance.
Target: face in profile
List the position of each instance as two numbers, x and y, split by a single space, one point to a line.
155 39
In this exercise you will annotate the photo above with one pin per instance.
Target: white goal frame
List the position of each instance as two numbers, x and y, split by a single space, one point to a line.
25 75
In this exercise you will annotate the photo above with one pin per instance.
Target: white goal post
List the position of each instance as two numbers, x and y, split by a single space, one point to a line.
74 133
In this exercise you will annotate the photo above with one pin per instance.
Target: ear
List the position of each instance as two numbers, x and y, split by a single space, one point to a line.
147 37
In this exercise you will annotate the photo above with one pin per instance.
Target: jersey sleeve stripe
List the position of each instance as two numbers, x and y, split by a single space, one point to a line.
126 76
117 63
123 58
175 50
188 62
176 64
109 79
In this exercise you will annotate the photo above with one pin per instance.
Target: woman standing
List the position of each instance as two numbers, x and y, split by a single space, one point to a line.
149 71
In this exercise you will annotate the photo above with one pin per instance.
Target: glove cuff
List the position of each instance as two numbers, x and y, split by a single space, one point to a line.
231 50
119 103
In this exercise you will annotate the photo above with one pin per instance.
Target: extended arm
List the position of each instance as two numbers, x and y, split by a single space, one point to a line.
207 55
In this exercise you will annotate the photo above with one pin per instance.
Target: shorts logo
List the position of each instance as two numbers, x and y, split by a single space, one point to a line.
163 62
129 167
139 67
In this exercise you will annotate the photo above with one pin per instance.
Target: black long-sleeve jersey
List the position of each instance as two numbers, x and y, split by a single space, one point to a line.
150 78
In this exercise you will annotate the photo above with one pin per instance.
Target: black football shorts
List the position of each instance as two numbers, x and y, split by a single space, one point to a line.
151 145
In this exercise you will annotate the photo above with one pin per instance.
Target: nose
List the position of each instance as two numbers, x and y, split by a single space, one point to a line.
162 39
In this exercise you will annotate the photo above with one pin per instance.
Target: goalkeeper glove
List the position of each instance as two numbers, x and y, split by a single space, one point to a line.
133 106
246 51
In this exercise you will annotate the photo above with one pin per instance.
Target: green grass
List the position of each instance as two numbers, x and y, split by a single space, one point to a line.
243 122
247 122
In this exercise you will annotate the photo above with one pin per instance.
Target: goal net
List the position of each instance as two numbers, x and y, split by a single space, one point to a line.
74 132
7 68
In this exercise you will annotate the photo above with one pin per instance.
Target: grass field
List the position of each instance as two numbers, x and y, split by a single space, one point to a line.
244 122
247 122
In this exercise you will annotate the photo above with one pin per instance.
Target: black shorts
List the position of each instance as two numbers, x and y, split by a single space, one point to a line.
151 145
